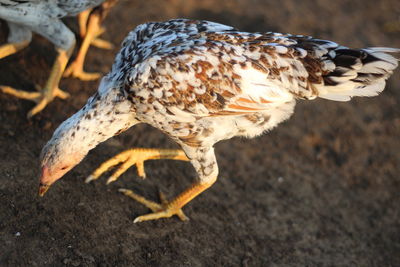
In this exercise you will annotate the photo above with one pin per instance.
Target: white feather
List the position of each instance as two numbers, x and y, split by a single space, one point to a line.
347 84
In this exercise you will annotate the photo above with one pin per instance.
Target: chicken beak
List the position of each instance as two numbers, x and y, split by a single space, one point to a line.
44 181
43 189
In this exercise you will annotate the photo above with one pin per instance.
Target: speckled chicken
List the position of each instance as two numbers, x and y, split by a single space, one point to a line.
201 82
43 17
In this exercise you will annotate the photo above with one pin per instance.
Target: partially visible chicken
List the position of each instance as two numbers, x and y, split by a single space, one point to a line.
201 82
90 27
43 17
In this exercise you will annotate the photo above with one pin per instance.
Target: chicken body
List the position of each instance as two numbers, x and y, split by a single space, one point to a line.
201 82
43 17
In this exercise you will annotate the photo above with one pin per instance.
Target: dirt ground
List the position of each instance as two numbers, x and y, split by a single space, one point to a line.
322 189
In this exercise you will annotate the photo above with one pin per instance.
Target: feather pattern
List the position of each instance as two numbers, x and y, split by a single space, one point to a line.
193 69
201 82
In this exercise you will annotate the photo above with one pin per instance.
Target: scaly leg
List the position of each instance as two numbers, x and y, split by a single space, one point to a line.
102 44
19 37
50 90
168 209
12 48
135 156
49 27
83 19
103 10
155 207
203 160
94 29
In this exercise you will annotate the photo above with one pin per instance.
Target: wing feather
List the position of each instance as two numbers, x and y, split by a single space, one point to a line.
198 68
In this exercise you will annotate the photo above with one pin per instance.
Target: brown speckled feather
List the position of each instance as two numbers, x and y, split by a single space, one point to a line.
201 82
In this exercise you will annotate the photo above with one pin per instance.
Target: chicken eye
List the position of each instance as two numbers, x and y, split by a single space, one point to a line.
63 168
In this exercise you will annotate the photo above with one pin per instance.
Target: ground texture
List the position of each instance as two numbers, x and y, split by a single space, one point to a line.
320 190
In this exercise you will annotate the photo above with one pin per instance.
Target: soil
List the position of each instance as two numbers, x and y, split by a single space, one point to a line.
322 189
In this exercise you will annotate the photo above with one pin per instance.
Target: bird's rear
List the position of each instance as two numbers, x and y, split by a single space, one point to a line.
358 72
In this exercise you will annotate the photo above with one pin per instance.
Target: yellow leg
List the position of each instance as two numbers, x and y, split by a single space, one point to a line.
12 48
155 207
103 10
102 44
75 69
168 209
82 21
135 156
50 91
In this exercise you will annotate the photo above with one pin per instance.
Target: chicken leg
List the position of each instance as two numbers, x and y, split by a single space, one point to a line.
50 90
155 207
169 208
135 156
12 48
203 160
90 28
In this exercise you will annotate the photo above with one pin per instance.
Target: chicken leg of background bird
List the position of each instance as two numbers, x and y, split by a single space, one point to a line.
42 17
101 11
19 38
90 28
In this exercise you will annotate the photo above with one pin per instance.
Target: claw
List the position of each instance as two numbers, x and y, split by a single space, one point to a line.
163 210
42 98
102 44
89 179
50 90
136 157
76 70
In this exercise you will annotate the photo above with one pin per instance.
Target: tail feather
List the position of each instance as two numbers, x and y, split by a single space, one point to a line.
358 72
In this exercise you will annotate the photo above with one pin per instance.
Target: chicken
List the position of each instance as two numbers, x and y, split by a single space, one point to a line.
201 82
43 17
90 28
